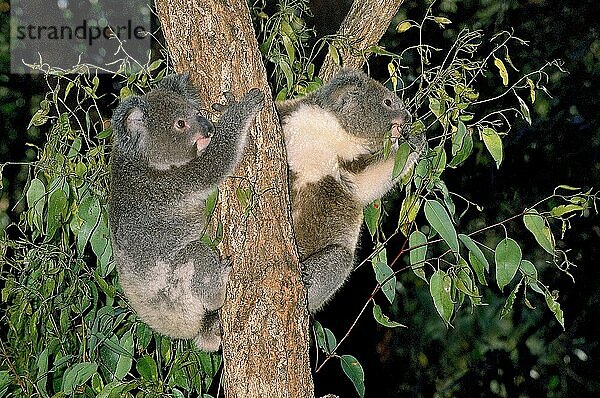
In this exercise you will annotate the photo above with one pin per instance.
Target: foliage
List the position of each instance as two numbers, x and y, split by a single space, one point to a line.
69 329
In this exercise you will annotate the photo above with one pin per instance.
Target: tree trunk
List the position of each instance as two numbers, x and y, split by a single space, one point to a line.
265 320
363 27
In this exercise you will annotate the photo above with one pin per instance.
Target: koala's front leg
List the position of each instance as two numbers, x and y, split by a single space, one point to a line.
376 180
226 145
229 139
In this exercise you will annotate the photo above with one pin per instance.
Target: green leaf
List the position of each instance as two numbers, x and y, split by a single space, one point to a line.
100 242
78 375
383 272
146 367
531 275
325 338
211 203
334 54
36 202
372 214
537 225
436 107
58 204
554 306
124 362
289 48
42 373
287 72
418 254
244 197
476 258
503 72
493 143
510 301
143 335
439 219
383 319
400 160
355 373
89 211
508 257
440 286
408 212
561 210
442 20
462 145
524 109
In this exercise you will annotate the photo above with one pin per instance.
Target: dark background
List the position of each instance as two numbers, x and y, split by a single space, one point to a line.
525 355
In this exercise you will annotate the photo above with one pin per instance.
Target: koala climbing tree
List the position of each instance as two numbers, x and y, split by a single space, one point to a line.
334 140
166 160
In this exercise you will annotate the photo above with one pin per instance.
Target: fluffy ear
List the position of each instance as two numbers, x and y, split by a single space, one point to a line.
129 125
346 82
180 84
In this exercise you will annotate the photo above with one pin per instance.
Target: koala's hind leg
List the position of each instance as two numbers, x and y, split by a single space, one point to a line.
208 282
324 272
210 276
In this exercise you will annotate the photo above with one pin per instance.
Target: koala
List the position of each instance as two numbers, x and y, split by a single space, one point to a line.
166 160
334 139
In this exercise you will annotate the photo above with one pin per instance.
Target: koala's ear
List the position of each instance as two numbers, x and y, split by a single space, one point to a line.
180 84
129 125
345 84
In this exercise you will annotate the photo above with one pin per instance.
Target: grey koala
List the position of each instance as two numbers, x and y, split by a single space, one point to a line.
334 139
166 160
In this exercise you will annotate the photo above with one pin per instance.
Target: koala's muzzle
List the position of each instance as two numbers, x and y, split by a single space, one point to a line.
207 128
401 124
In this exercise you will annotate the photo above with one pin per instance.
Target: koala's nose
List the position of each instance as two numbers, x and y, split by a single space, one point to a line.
206 126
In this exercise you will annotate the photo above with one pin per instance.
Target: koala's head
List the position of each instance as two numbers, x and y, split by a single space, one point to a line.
365 108
163 127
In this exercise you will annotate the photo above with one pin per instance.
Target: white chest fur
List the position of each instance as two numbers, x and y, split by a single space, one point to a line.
315 142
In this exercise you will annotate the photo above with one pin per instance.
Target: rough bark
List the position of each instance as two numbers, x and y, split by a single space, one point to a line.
265 320
363 27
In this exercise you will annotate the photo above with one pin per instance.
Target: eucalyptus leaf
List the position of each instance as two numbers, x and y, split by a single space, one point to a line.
383 319
537 225
508 257
440 286
418 254
355 373
493 143
439 219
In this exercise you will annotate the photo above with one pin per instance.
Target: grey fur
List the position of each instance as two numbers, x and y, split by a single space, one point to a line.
328 209
160 178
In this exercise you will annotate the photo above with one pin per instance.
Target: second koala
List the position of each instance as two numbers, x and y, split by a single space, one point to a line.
166 160
334 139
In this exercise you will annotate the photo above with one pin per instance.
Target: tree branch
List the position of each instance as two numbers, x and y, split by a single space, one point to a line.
363 27
265 317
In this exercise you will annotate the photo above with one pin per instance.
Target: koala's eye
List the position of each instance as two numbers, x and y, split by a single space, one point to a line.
387 103
180 123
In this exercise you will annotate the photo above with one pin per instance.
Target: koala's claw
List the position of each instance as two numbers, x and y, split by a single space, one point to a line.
254 96
218 107
229 100
229 97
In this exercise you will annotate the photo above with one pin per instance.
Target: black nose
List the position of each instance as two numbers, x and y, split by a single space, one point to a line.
206 126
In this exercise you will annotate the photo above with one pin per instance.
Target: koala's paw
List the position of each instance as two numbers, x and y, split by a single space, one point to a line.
209 337
229 101
254 99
